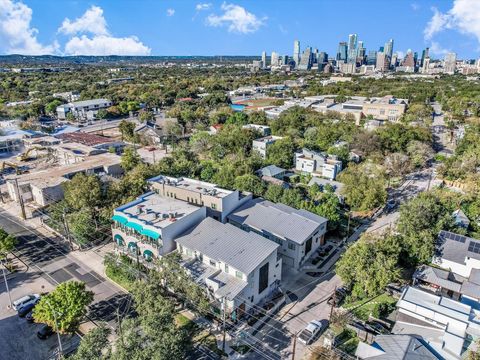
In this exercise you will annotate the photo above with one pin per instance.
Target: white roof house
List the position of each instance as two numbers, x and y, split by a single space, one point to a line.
241 266
300 232
445 324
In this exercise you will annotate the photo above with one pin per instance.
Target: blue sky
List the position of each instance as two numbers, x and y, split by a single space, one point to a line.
184 27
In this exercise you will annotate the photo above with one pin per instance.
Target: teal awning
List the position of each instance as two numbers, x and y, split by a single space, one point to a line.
134 226
119 239
150 233
132 245
120 219
148 255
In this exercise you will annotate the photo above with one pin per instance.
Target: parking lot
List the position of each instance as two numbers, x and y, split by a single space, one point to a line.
19 338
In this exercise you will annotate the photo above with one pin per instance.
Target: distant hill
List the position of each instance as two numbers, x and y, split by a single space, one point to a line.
114 59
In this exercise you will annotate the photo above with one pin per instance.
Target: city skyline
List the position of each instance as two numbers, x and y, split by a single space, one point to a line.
105 27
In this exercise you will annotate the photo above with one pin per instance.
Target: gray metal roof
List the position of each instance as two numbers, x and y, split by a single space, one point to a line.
271 170
399 347
337 186
278 219
440 277
455 247
90 102
242 250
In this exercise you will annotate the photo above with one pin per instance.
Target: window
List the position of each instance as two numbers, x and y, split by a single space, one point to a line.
214 206
263 278
189 252
238 274
291 246
213 263
226 268
308 246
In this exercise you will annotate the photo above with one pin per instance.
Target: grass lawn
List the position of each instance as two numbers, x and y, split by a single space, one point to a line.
363 308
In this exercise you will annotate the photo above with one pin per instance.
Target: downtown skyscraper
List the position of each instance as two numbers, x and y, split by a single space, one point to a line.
388 48
296 52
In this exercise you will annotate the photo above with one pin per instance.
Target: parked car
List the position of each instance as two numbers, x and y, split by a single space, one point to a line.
336 298
310 333
45 332
25 300
24 310
29 317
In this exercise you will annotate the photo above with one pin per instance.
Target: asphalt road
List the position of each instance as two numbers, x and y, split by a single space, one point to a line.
54 263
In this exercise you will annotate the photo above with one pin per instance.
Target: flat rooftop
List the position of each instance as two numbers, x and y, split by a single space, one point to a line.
267 139
197 186
90 102
155 210
56 174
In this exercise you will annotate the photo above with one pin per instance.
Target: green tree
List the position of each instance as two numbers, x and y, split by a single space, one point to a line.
82 225
7 243
95 345
51 107
250 183
281 153
67 303
127 129
145 115
420 221
274 193
129 158
364 186
370 264
83 191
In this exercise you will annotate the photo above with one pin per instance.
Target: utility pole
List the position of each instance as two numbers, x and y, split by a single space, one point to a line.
20 199
294 345
224 320
6 284
60 349
67 229
119 321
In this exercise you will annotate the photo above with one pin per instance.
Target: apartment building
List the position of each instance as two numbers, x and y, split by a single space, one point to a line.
450 327
385 108
262 129
83 110
316 163
238 267
146 227
298 232
261 145
219 202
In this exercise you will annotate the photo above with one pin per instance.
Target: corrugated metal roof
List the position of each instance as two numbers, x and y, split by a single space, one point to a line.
242 250
278 219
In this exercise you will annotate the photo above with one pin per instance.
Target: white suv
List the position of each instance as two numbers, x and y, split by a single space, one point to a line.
25 300
310 332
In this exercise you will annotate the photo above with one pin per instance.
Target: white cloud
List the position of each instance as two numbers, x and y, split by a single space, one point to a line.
237 19
91 22
203 6
415 6
16 34
170 12
282 29
464 17
105 45
101 42
437 49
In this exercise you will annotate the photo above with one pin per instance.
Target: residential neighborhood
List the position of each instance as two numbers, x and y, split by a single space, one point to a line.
196 197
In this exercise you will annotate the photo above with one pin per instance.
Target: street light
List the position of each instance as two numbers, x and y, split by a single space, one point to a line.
6 282
56 328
